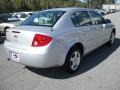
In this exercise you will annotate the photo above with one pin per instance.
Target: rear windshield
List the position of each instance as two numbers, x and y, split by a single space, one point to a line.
44 18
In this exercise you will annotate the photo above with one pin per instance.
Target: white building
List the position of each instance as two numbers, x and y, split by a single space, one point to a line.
111 6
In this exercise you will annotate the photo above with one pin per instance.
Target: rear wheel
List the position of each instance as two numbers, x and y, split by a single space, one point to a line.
72 62
5 30
112 39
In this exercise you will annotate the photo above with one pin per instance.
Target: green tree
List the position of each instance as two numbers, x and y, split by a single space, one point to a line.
25 5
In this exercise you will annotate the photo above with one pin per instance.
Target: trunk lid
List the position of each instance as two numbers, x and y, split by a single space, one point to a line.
24 35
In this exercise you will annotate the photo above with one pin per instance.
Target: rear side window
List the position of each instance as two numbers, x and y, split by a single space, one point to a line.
98 19
81 18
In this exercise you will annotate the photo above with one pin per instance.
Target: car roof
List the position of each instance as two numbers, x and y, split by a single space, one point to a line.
69 9
26 12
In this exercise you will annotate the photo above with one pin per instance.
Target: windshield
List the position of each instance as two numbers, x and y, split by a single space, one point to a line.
44 18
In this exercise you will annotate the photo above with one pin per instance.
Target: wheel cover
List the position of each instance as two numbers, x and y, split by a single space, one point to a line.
75 60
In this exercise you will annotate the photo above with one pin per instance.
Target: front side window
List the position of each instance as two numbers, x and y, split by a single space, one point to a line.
23 15
30 14
98 19
81 19
44 18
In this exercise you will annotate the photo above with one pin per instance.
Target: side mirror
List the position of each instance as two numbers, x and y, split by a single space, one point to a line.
108 21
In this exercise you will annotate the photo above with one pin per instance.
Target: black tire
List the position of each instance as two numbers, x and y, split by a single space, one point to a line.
112 39
68 63
0 34
5 30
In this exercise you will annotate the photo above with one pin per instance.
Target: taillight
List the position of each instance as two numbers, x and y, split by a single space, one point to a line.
41 40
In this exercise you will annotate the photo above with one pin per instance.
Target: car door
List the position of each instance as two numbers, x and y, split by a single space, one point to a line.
100 24
87 32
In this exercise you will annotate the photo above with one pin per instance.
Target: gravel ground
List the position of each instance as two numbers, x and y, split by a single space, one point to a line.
100 70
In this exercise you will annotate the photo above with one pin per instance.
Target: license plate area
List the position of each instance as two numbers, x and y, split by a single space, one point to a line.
15 56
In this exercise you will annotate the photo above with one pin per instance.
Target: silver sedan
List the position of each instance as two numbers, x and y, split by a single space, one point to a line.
58 37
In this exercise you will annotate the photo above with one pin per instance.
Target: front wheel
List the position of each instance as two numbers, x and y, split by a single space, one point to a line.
112 39
72 62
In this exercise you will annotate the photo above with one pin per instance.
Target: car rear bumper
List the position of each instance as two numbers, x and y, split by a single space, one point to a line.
37 61
37 58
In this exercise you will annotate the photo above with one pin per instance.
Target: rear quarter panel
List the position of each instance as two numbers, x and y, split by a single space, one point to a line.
66 39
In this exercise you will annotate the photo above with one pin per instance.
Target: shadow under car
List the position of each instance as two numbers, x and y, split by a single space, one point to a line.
89 61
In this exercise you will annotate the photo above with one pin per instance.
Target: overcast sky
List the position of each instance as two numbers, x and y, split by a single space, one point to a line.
118 1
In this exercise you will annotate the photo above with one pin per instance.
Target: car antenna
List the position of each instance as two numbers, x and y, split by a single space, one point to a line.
52 29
